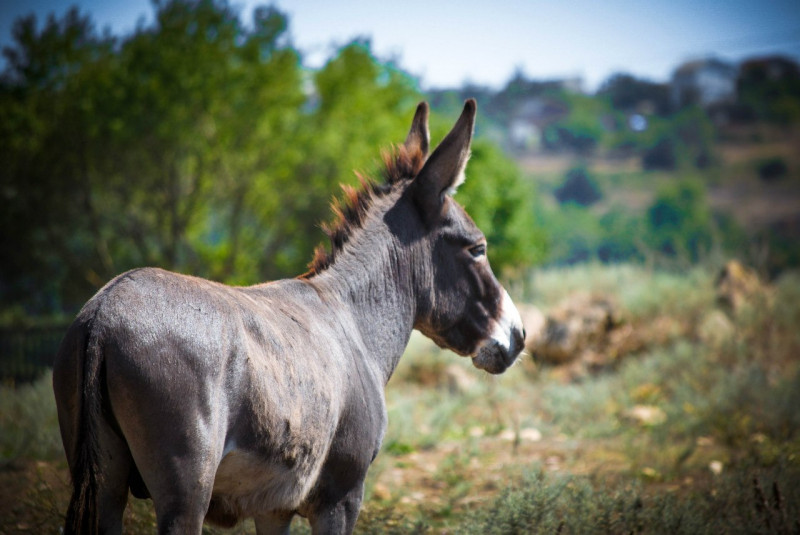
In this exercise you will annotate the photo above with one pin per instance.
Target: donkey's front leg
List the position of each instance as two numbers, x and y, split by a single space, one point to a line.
338 517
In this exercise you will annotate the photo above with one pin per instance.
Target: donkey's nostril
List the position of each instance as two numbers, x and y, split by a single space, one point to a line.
524 334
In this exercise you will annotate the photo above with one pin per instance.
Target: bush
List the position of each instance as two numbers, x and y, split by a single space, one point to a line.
679 220
772 169
503 206
661 156
578 187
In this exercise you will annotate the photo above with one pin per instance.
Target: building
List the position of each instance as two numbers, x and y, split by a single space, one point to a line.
704 82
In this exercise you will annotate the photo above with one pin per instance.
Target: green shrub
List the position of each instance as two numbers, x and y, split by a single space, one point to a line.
28 422
679 220
661 156
579 187
772 169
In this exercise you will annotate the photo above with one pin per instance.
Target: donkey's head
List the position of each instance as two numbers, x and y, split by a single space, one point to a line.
460 303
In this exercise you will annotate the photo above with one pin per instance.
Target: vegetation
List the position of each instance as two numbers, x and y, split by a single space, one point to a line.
531 452
200 145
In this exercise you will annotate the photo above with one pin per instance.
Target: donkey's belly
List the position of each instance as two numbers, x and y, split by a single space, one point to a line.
248 484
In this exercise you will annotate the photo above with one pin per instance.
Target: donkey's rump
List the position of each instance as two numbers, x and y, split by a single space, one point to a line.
224 365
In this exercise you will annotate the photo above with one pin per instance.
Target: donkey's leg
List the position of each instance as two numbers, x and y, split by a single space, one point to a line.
180 487
340 516
274 523
115 462
177 457
177 463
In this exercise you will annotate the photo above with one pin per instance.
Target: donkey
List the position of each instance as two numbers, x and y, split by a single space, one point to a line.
222 403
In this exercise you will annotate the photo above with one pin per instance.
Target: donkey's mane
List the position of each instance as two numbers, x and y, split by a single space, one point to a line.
401 165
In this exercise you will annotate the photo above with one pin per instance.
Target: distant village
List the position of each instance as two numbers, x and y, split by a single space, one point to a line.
727 92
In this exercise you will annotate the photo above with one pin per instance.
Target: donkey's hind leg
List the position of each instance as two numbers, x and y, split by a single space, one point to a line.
179 475
115 462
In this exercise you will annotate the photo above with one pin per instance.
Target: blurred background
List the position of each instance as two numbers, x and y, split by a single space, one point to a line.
625 151
208 137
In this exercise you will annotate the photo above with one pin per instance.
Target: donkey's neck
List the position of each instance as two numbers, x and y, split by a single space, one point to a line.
372 282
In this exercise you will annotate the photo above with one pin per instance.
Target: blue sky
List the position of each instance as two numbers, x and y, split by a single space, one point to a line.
447 43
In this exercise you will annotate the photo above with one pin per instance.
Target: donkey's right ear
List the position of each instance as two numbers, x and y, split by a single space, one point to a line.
443 172
419 137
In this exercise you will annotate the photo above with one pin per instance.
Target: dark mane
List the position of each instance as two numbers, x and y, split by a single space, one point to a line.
349 212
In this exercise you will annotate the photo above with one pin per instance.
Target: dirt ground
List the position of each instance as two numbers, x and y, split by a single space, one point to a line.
453 477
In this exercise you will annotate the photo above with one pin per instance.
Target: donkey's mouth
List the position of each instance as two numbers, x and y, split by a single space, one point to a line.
494 357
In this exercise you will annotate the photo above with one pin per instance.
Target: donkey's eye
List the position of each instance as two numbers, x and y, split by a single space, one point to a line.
478 250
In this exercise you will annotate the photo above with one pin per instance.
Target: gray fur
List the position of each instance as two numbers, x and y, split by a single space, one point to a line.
267 401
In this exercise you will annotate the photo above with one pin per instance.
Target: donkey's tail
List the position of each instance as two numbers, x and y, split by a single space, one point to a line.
82 514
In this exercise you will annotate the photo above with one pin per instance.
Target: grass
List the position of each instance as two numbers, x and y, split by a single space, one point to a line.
527 452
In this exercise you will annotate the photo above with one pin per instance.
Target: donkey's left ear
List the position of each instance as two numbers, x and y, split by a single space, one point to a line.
444 170
418 137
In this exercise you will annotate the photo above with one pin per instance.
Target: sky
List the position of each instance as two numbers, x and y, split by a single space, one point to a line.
446 44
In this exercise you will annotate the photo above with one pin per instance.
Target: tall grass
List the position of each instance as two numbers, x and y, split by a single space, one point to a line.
28 422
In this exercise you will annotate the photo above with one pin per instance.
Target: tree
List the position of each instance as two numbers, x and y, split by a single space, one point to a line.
630 94
578 187
679 220
143 152
199 145
46 144
503 206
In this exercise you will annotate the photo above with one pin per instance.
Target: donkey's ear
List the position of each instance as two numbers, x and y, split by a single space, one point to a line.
418 137
444 170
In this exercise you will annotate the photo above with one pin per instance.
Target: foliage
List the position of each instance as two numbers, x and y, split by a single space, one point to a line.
543 503
29 422
502 205
660 156
724 460
630 94
578 187
771 88
197 143
684 141
679 220
771 169
581 129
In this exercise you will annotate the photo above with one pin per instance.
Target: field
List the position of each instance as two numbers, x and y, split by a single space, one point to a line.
697 431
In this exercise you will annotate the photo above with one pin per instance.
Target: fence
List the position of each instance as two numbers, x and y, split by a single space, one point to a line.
27 352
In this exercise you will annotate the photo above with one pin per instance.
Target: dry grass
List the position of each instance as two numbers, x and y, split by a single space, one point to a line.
527 452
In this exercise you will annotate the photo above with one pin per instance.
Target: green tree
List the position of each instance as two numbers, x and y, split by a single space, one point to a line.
679 221
200 145
358 106
503 206
47 146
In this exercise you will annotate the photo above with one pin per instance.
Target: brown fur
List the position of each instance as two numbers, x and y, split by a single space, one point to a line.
400 166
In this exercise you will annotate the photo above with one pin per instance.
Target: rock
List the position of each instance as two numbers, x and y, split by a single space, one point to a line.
737 284
715 467
534 322
530 434
646 415
572 326
622 340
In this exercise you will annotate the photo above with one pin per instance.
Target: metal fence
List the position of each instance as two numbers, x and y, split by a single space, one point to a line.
27 352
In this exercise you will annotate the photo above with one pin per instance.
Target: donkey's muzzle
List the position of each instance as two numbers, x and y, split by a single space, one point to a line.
495 357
